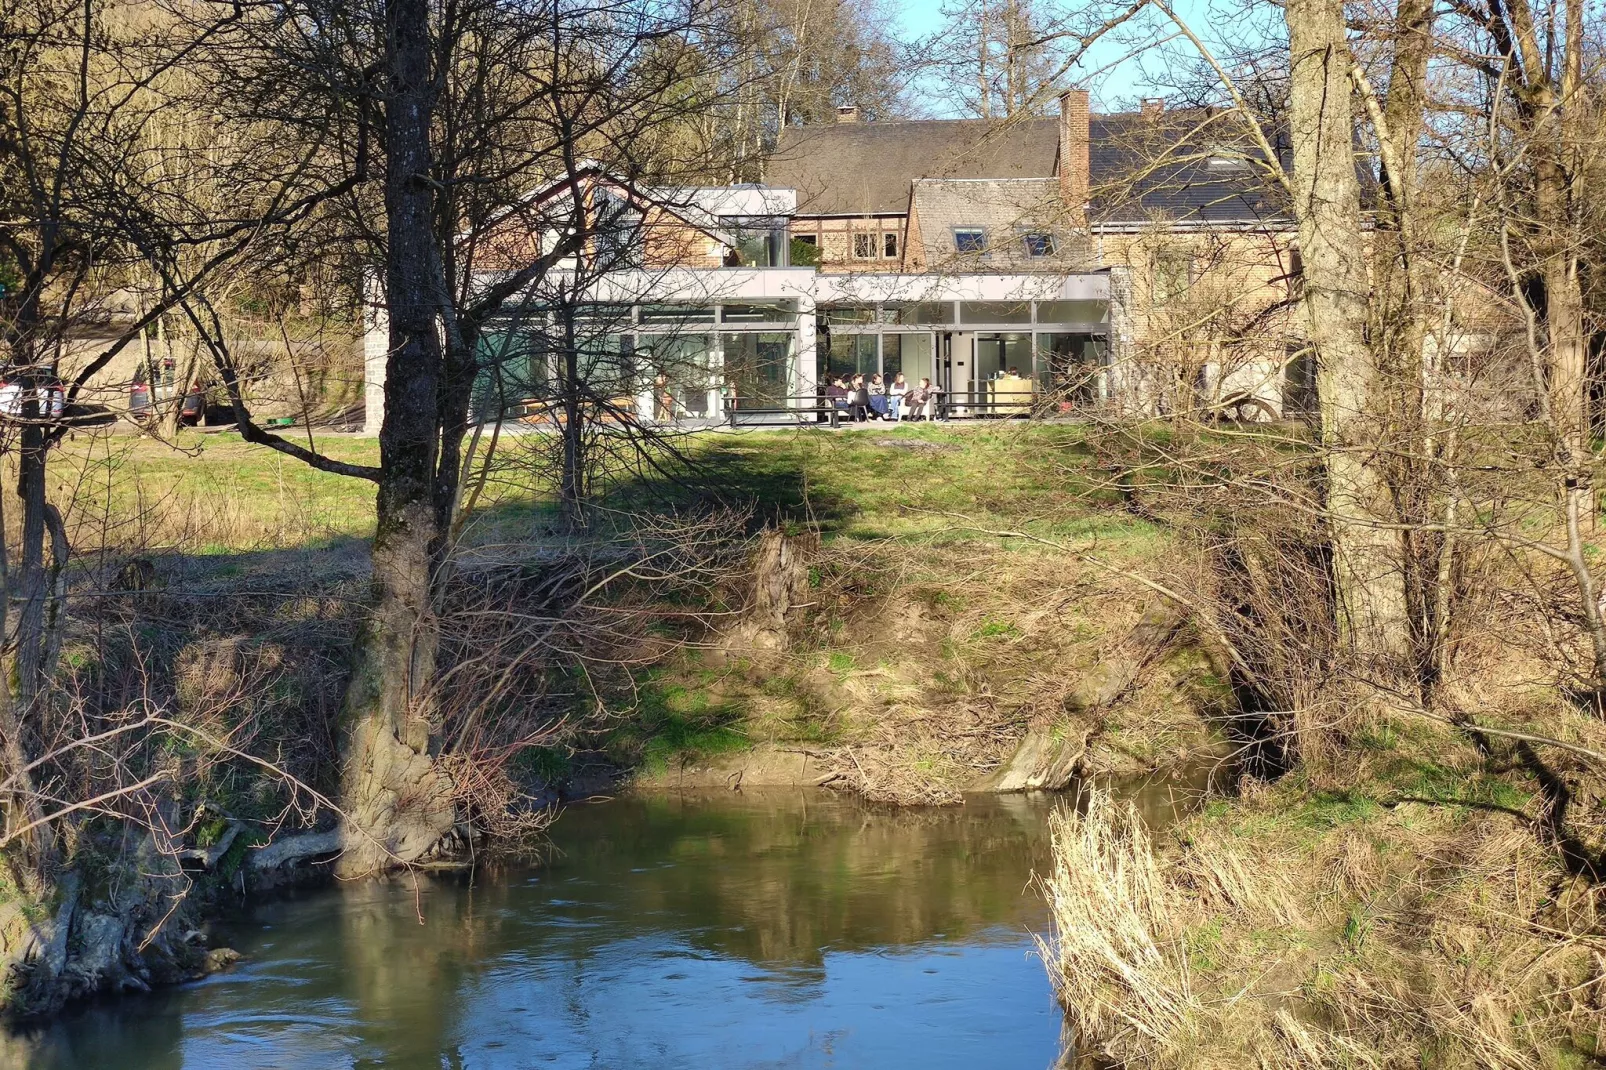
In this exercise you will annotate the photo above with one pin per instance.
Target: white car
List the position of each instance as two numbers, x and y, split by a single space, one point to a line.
11 399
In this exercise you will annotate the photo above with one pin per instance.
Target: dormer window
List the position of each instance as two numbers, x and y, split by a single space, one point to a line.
1038 244
864 247
970 240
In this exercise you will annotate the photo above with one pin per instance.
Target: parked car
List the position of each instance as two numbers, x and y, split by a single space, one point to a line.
193 408
51 403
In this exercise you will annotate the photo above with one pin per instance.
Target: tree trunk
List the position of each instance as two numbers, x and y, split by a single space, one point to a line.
398 802
1370 598
572 481
1403 284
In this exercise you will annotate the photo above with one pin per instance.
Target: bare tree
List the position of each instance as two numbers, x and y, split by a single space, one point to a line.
93 207
464 108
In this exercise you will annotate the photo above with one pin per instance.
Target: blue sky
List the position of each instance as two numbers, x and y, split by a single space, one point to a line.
1117 79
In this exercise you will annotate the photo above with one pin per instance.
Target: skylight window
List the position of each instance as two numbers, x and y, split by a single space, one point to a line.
970 240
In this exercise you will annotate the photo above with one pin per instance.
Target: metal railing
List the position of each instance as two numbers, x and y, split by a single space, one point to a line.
795 408
947 404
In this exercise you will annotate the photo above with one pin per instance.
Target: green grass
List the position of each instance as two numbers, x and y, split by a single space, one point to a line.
854 485
213 494
675 723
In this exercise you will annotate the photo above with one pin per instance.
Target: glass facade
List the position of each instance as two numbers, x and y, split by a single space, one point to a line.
987 312
759 367
716 356
1055 351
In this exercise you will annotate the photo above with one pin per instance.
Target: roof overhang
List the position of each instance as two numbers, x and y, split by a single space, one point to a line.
713 285
892 289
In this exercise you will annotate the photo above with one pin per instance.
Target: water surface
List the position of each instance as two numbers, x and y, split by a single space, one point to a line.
755 930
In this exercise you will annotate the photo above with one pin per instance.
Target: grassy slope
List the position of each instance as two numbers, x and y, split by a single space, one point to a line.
927 626
933 643
1390 910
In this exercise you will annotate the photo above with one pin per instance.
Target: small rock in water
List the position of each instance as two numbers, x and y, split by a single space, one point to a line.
221 958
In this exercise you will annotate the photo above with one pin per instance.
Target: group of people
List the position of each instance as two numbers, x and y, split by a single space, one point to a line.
872 397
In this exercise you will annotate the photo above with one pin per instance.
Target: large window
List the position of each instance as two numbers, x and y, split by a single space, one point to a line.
998 354
1070 367
760 247
685 360
864 246
534 362
1039 244
995 311
851 354
758 367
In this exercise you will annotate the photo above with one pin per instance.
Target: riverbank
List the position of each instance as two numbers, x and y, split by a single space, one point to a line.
919 649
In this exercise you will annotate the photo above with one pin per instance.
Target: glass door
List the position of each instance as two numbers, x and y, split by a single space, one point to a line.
911 354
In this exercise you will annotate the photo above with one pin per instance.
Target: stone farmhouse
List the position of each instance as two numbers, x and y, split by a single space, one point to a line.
1082 260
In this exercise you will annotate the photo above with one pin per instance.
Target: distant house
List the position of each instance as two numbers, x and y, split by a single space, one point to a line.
1163 203
1095 256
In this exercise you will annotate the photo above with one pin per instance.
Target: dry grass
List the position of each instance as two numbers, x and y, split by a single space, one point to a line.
1296 929
916 672
1116 953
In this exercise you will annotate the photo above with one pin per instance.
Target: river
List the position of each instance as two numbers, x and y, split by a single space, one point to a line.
772 929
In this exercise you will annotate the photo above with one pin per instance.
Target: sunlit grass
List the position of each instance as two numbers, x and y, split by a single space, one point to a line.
211 493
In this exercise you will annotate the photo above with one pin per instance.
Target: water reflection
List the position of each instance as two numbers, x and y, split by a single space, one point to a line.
783 929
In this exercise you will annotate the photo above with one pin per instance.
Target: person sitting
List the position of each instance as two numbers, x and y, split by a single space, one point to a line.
918 400
859 400
895 395
878 396
837 394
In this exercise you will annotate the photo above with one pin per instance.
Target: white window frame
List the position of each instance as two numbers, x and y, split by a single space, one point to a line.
981 234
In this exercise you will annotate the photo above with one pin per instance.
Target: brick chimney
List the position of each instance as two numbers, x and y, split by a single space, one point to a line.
1153 107
848 113
1075 180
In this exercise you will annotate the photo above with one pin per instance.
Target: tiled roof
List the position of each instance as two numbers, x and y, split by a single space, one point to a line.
866 168
1180 166
1006 210
1142 167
